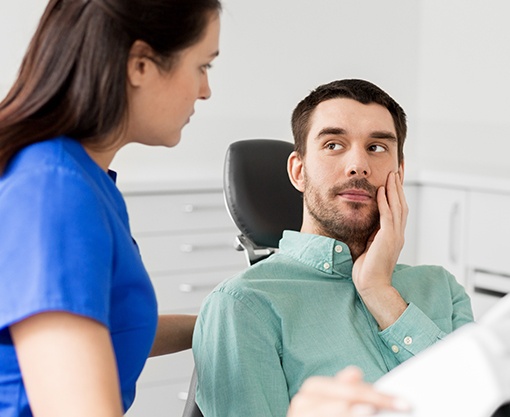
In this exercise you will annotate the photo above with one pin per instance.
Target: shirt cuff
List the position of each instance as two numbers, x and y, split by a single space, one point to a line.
411 333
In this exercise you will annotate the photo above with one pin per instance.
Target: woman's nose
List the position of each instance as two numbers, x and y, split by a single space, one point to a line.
205 89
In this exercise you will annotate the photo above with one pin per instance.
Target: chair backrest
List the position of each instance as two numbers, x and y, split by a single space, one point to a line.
262 203
259 195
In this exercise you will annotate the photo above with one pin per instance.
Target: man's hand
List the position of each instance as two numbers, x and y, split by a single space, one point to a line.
372 271
345 395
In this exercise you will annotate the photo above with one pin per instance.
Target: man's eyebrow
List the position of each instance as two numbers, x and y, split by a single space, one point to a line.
331 131
383 134
338 131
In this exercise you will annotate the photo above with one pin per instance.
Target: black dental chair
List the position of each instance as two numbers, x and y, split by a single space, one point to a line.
259 196
262 203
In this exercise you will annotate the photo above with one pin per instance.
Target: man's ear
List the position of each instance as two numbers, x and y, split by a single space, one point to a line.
295 169
139 62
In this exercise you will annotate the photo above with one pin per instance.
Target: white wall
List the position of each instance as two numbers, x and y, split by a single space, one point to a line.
445 62
464 86
272 54
18 21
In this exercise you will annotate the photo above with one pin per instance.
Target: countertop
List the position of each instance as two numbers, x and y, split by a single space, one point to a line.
471 181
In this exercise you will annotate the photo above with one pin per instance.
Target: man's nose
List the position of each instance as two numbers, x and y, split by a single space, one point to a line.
357 164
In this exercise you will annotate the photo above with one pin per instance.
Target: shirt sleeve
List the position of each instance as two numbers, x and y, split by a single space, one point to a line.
237 356
55 248
417 329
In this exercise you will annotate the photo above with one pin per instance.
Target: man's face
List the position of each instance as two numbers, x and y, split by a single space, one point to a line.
351 148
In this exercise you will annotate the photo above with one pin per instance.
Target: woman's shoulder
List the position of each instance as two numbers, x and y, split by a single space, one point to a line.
50 168
49 155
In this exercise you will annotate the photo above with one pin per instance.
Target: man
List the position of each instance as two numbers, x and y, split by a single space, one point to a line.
473 365
333 296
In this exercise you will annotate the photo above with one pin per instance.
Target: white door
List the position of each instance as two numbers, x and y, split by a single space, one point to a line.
441 232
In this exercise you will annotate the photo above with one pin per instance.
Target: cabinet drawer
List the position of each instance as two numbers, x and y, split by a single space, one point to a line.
167 369
184 293
167 400
190 252
177 212
489 225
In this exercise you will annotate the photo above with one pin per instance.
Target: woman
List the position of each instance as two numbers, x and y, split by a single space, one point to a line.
78 315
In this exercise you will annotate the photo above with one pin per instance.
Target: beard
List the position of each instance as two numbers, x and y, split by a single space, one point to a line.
353 226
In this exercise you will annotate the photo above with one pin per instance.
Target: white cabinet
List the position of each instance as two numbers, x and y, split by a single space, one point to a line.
463 226
441 232
488 251
489 227
186 239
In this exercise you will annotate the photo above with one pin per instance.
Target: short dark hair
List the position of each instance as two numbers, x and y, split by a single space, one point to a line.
73 78
360 90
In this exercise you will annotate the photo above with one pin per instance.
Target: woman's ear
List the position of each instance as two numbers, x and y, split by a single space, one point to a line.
295 170
139 61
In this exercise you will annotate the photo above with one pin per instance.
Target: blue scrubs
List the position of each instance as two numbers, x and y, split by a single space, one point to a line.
65 245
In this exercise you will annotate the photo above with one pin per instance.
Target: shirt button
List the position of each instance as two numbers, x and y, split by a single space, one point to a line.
408 340
395 349
326 265
338 249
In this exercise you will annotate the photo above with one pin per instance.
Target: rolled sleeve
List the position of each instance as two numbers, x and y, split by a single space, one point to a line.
411 333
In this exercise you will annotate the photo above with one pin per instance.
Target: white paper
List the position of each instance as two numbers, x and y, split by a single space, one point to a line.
465 375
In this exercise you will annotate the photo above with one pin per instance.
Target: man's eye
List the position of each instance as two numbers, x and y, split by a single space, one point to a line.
333 146
377 148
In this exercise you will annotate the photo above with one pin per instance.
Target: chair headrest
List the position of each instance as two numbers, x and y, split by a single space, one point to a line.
259 195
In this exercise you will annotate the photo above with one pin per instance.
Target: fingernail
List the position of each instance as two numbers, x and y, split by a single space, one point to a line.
361 410
401 405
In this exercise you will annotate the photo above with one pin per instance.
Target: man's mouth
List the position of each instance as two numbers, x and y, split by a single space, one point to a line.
356 190
355 194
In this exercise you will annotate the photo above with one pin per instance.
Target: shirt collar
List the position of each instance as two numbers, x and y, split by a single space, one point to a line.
113 175
320 252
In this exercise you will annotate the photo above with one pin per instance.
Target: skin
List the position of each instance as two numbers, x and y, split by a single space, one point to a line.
73 355
349 142
161 103
345 395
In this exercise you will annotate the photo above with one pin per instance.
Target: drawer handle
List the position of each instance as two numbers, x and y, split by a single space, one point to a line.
187 288
182 396
191 208
454 233
188 208
487 291
189 248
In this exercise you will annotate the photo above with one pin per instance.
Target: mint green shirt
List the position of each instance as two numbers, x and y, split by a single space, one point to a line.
260 334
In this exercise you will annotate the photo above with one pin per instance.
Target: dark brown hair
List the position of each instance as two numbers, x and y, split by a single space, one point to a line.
72 80
359 90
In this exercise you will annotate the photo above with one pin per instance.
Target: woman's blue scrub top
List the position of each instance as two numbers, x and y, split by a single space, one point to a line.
66 245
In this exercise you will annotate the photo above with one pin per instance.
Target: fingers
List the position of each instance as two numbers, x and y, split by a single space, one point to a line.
350 374
361 392
404 209
392 204
345 395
